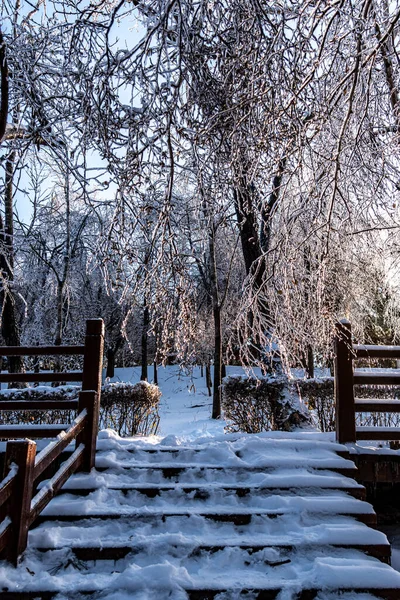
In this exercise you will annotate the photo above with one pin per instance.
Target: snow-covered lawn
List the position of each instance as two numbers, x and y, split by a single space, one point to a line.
185 406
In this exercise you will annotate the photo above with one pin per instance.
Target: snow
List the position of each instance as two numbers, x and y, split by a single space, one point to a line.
226 569
292 541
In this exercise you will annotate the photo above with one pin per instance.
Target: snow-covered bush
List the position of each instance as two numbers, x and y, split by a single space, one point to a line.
128 408
39 417
318 395
253 405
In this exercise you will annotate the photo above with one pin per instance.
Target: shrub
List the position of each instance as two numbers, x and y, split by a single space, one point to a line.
253 405
130 409
382 392
39 417
318 395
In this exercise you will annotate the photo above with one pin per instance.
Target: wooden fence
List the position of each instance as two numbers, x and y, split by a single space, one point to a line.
20 500
346 377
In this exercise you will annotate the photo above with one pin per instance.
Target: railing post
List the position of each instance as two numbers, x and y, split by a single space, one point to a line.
21 453
89 397
89 400
344 390
93 355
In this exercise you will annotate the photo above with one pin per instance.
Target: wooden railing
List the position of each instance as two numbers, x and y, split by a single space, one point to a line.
20 500
346 377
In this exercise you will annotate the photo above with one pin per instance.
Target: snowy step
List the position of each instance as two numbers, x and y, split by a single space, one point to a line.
339 466
104 552
307 594
172 471
111 504
165 575
108 502
195 532
113 540
277 442
202 492
248 451
287 530
229 456
238 517
152 482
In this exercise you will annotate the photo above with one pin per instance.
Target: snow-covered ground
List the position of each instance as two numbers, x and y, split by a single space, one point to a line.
185 406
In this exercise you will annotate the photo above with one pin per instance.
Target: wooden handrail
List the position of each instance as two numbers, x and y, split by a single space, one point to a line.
43 497
5 534
38 404
372 351
7 485
24 469
344 392
379 378
39 377
90 376
41 350
345 379
53 450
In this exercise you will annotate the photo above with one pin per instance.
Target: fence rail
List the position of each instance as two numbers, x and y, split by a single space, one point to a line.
41 350
346 377
20 500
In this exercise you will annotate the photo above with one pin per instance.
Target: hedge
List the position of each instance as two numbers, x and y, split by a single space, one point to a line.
252 405
130 409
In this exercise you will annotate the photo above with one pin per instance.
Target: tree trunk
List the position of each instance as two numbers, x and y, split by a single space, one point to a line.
309 358
310 363
386 51
255 246
63 279
252 254
59 331
145 328
9 320
116 343
216 412
155 373
110 362
208 379
59 315
248 230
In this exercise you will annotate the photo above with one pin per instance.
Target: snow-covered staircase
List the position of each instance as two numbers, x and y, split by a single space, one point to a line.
269 516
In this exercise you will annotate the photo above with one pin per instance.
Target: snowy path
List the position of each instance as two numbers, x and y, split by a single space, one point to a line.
202 515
